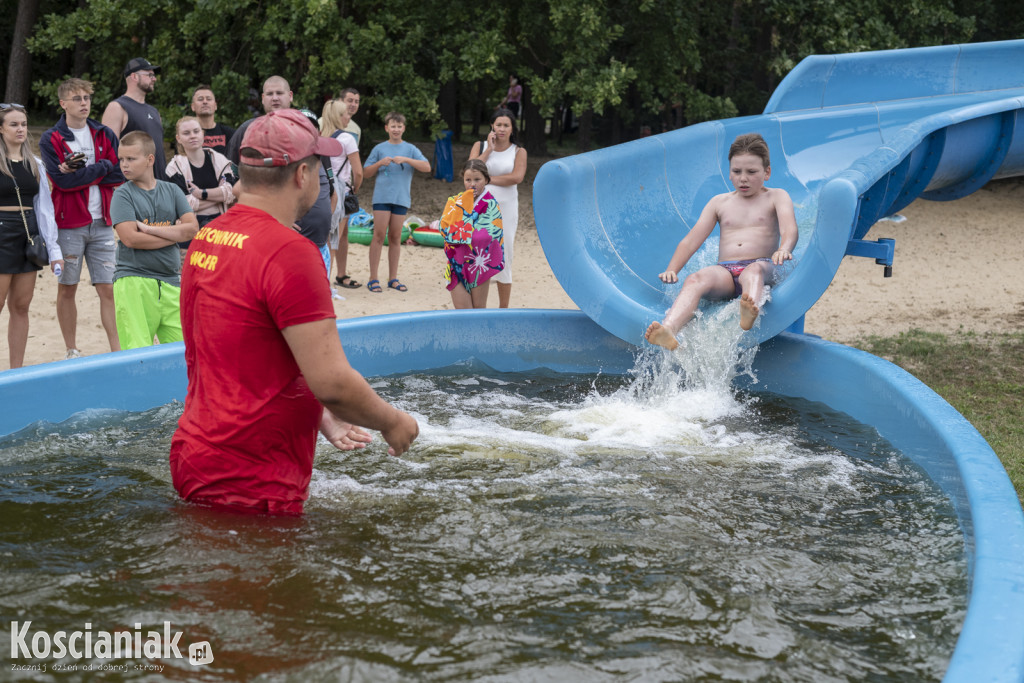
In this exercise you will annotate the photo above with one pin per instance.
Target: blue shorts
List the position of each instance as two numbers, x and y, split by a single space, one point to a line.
392 208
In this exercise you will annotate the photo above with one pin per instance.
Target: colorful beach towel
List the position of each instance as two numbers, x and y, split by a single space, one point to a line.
472 239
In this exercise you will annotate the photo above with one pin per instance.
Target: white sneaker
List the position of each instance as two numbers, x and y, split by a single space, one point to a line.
72 353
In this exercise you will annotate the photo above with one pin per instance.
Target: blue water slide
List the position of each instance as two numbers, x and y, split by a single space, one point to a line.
853 138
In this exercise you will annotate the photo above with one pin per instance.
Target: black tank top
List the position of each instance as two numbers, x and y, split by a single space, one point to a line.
145 117
27 185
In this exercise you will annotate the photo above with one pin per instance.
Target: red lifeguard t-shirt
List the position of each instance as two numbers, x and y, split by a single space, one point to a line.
248 433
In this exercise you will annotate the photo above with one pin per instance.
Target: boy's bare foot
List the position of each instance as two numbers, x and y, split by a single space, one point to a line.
748 312
661 335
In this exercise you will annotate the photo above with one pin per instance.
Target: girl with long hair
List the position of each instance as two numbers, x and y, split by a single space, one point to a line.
506 162
26 213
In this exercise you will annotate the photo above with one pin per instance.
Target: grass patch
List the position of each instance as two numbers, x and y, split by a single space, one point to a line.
982 376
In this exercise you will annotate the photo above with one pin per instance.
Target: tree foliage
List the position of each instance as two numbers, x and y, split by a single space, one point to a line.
620 67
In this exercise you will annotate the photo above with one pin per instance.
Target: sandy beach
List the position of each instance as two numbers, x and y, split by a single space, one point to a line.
954 270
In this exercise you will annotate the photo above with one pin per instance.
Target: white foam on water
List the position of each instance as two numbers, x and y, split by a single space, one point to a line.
678 405
676 399
478 436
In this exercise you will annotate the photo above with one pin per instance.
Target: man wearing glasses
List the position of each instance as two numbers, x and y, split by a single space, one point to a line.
80 156
130 112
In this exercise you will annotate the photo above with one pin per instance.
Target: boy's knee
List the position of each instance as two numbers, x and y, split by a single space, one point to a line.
759 270
698 280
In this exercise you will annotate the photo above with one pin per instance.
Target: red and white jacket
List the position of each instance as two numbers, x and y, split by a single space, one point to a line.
71 190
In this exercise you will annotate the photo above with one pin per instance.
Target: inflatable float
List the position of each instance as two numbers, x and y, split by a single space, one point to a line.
428 235
360 228
363 234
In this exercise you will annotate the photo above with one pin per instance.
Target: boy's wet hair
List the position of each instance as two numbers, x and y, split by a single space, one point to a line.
750 143
479 166
394 116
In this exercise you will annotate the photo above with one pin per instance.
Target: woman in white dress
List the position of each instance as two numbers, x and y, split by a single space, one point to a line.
506 162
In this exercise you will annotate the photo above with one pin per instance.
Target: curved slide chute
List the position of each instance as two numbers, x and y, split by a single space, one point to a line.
853 138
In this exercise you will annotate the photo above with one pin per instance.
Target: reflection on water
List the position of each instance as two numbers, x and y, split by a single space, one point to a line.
545 527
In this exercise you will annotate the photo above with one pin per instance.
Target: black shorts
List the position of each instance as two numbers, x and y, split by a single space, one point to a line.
13 240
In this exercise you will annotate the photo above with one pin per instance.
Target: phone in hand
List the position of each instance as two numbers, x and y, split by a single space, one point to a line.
75 160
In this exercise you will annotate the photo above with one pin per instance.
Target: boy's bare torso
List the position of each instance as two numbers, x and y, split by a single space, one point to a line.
749 226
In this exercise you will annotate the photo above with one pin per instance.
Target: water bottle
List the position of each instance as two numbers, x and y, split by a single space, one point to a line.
57 270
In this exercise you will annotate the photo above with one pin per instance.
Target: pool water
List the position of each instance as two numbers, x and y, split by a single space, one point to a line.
544 527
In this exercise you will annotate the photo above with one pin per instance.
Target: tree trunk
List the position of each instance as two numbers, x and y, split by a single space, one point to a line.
478 110
617 126
531 125
731 47
458 113
583 134
447 104
81 58
19 69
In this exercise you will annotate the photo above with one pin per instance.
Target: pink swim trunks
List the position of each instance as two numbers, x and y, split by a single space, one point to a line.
737 267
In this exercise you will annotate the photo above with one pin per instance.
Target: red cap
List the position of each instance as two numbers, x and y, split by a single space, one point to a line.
283 137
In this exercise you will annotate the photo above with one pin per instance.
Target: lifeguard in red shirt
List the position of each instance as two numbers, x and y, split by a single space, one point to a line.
266 369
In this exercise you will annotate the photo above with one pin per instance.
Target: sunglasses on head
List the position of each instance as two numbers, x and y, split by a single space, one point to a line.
4 106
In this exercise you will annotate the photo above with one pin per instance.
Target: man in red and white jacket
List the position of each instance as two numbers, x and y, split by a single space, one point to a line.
80 155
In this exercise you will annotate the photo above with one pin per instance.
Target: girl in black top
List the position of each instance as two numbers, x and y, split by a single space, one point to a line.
25 209
203 174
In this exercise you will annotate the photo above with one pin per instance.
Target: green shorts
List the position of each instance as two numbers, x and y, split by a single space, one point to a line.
146 308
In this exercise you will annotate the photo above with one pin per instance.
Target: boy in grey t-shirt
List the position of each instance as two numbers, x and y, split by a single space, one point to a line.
150 217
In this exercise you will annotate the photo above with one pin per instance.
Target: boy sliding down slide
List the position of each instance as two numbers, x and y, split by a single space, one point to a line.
753 220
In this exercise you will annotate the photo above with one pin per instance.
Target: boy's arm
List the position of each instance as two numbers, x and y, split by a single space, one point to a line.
419 162
122 213
115 177
139 235
131 235
421 165
72 180
182 231
788 231
371 170
689 245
